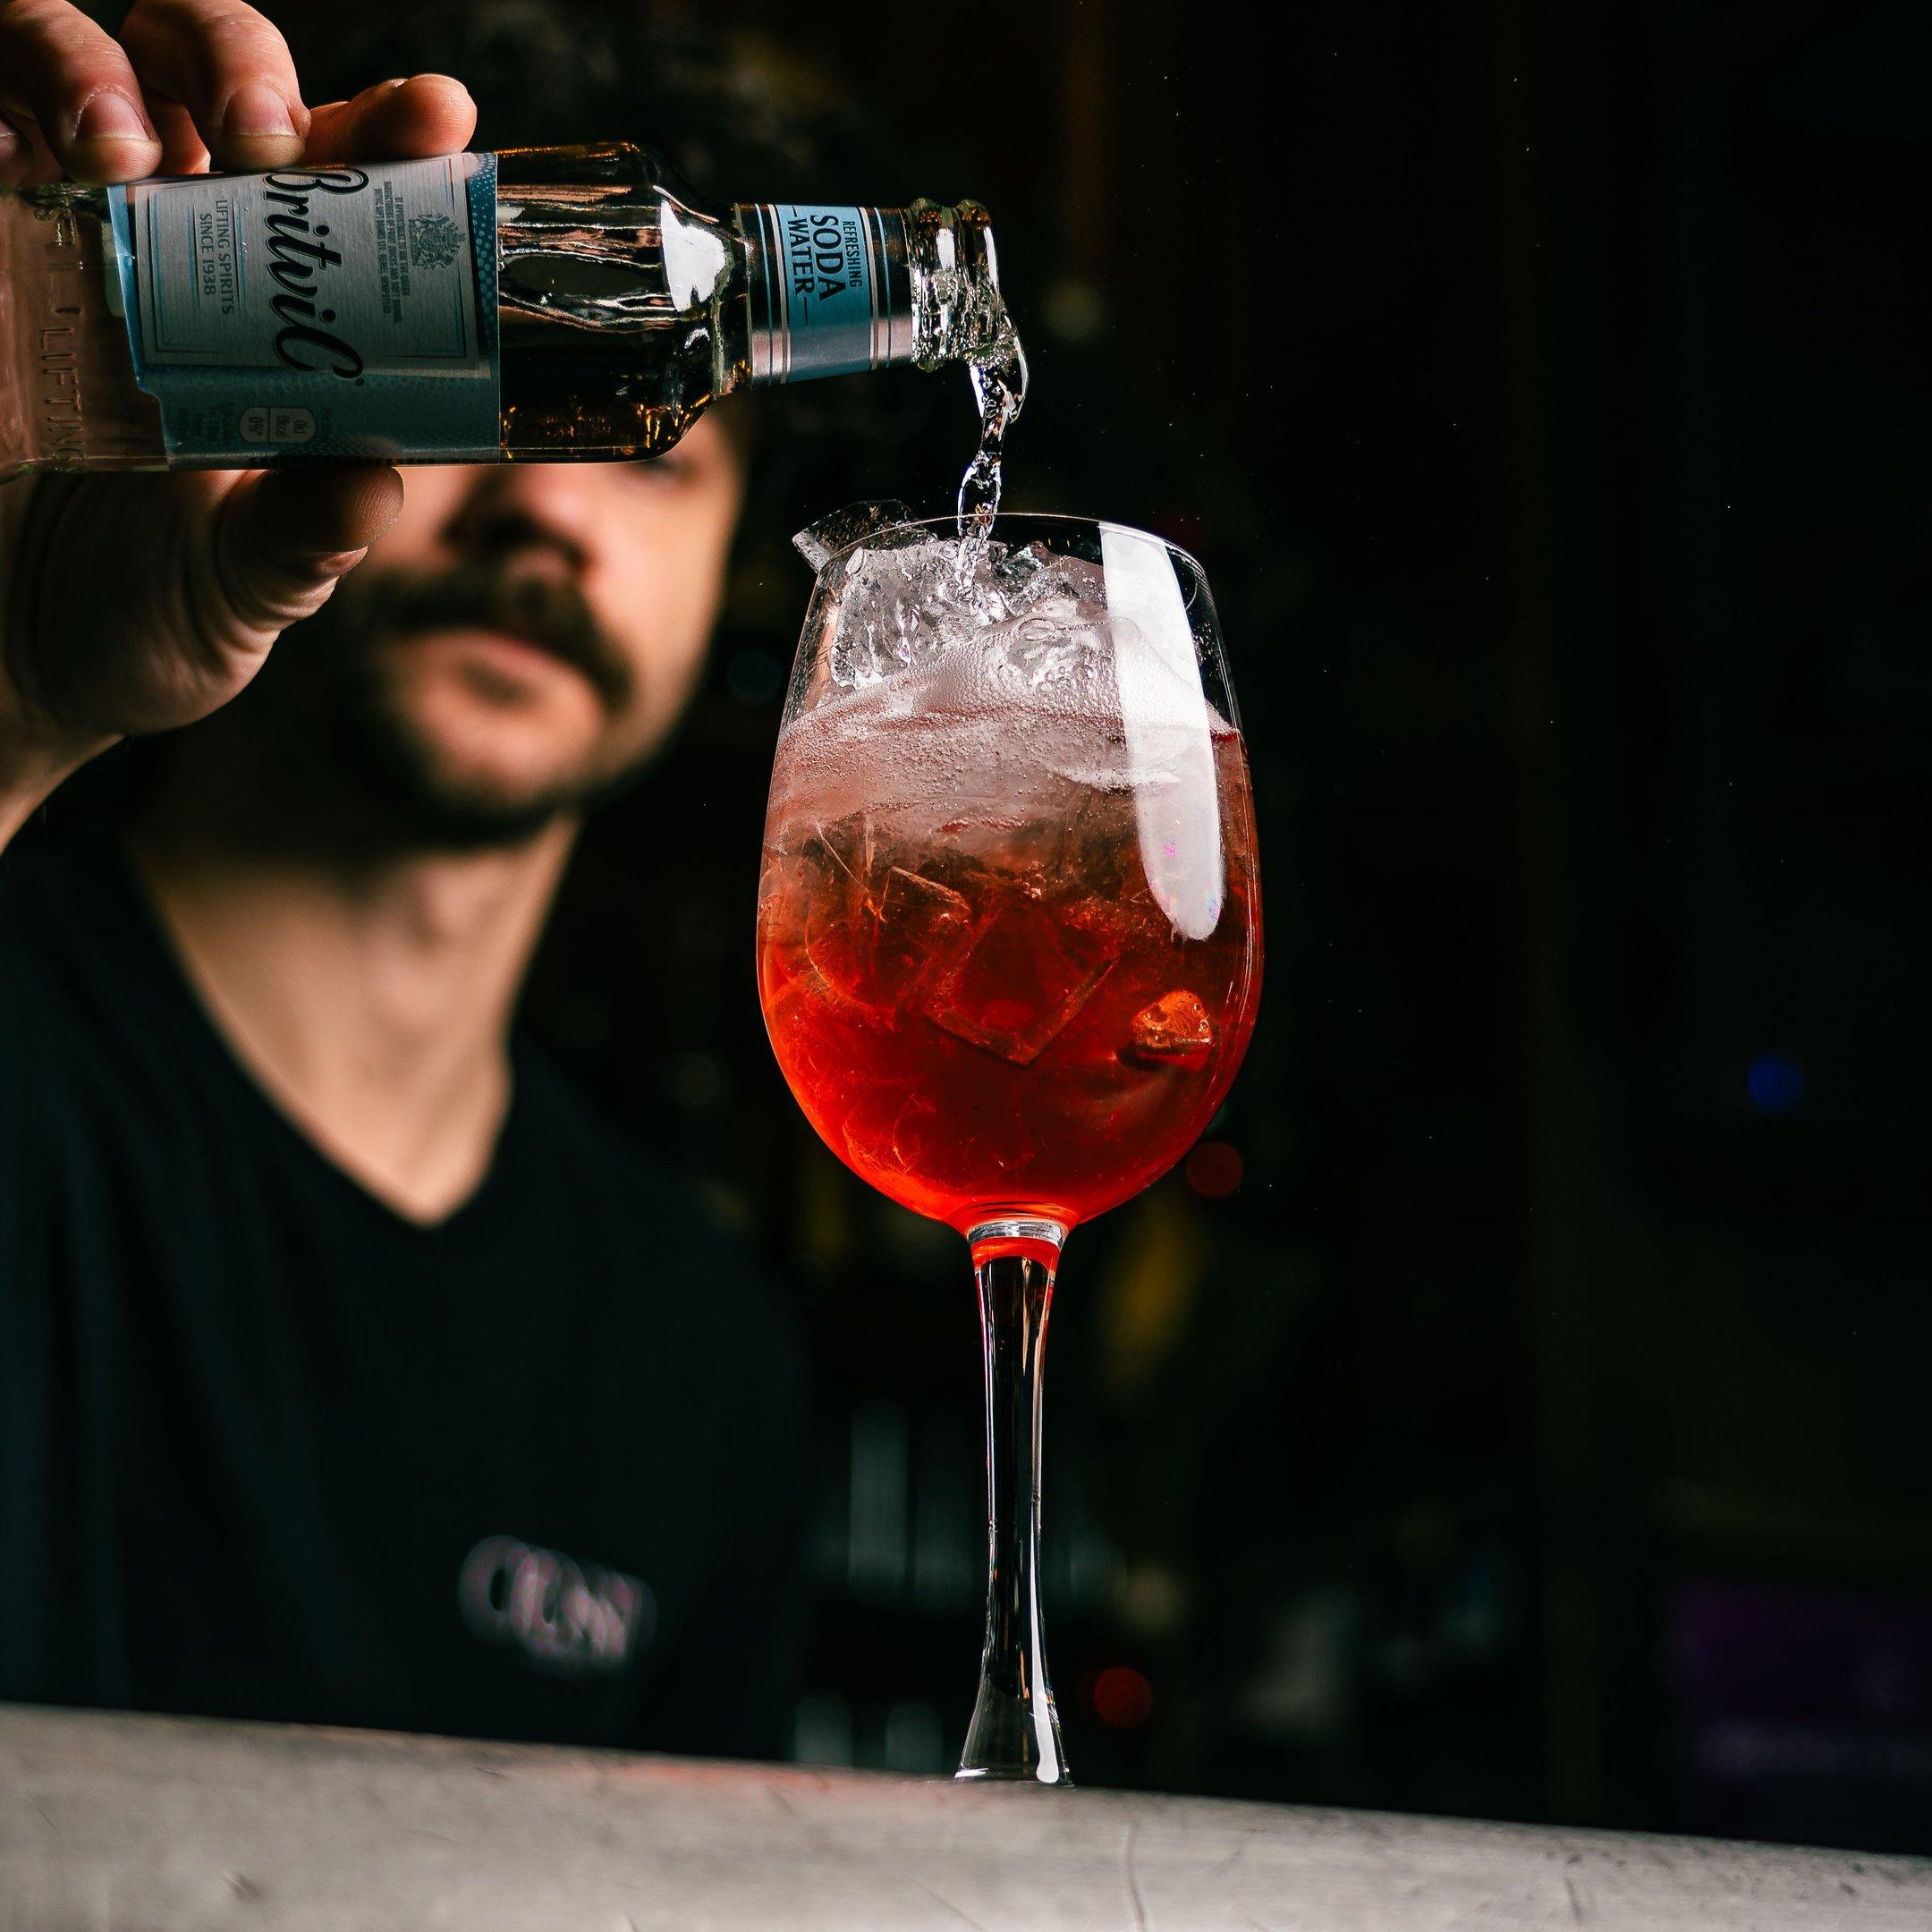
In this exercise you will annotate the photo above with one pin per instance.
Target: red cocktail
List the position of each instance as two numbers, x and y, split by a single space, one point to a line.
986 1019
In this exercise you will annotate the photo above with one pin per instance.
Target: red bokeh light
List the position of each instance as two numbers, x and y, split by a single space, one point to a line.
1123 1697
1214 1169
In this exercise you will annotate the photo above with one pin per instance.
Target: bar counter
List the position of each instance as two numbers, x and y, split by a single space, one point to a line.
115 1823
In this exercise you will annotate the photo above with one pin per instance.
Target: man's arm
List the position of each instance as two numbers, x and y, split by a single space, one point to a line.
137 603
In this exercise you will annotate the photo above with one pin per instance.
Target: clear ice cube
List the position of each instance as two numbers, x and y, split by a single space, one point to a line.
897 606
1067 587
874 932
919 927
836 861
879 524
902 597
1054 647
1022 979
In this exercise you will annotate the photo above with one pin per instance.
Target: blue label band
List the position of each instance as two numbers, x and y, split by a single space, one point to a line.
827 286
316 313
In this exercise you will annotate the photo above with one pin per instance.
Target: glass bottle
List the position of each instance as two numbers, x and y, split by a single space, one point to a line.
541 304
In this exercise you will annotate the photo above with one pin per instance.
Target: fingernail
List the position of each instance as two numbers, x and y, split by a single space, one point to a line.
255 109
110 116
447 80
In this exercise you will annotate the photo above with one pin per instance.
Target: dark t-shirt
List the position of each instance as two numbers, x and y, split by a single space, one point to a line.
269 1449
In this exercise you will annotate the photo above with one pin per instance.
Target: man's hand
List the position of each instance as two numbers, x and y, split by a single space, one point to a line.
138 602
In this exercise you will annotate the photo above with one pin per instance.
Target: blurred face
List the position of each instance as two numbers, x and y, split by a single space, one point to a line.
520 641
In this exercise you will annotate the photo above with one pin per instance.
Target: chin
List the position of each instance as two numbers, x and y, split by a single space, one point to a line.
456 768
518 735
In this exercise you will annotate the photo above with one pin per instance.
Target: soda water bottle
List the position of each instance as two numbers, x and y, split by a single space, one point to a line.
544 304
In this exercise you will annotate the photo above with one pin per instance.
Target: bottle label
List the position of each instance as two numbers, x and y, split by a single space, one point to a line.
825 286
317 312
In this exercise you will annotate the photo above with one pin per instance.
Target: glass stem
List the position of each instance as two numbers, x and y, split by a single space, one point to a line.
1015 1731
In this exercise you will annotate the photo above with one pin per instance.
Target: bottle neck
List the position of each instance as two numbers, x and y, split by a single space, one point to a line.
835 290
830 290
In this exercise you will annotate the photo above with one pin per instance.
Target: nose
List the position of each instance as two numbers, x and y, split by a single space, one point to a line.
513 509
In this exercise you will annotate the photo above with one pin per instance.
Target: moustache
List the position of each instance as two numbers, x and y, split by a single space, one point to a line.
548 612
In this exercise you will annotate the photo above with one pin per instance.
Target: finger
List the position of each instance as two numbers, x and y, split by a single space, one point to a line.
230 68
183 150
58 70
286 535
24 160
425 114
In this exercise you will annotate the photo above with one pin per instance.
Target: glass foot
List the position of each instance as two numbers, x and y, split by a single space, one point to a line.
1014 1738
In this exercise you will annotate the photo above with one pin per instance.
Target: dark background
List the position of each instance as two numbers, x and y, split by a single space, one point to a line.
1539 1429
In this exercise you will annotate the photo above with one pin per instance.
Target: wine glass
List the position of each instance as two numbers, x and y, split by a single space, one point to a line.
1009 937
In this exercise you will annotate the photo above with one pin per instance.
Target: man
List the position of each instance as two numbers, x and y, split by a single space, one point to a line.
352 1370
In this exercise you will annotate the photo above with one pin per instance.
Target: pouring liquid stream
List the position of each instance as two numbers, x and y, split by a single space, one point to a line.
999 387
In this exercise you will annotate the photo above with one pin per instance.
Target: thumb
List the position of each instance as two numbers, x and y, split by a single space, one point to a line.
282 538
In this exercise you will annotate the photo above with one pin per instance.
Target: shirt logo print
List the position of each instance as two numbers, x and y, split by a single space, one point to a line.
569 1618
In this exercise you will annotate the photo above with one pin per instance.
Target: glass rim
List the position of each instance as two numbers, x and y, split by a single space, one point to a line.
949 520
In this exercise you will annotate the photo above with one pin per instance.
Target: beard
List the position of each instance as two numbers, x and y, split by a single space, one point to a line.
328 710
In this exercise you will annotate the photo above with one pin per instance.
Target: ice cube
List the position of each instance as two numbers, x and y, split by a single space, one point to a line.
1174 1031
843 851
1056 651
835 863
895 608
1023 977
921 925
1053 647
909 927
878 931
1019 574
1067 586
904 597
1128 919
874 521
